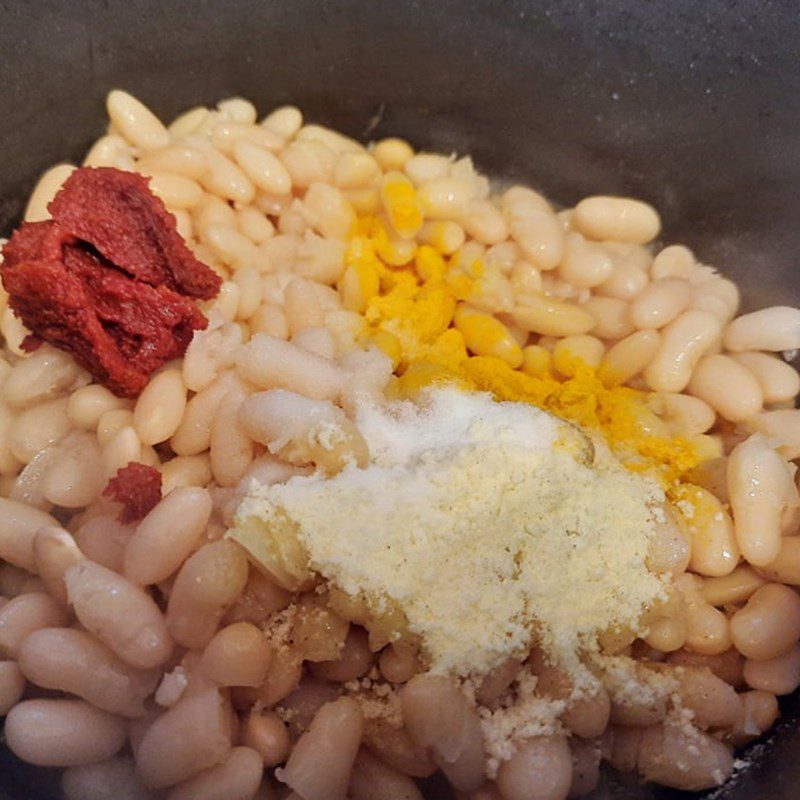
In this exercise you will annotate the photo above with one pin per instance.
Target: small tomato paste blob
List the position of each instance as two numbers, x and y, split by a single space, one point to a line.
108 279
138 488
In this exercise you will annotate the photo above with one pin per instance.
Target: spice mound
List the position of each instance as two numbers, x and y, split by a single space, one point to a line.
108 279
490 526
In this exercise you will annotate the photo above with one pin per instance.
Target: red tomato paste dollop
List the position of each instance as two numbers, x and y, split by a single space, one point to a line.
108 279
138 488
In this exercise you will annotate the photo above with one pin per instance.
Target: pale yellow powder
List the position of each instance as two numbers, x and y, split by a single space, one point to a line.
479 526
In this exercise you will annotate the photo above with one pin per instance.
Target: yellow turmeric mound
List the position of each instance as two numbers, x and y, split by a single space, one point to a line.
411 311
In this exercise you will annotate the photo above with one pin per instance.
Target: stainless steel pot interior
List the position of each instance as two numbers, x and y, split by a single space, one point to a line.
694 107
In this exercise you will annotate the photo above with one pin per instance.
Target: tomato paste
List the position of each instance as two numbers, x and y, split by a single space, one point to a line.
108 279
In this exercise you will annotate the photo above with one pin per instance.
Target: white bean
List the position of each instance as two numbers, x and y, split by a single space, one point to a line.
119 613
26 613
761 486
165 538
616 218
55 552
320 764
439 719
193 735
135 121
272 363
74 662
728 387
160 407
19 523
683 343
62 733
12 686
774 329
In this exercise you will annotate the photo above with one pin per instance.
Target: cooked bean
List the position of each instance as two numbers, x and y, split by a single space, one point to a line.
55 552
628 357
164 539
103 539
74 662
669 549
726 666
320 764
769 624
354 661
272 363
13 580
439 718
774 329
185 472
193 735
87 405
44 375
760 712
621 747
587 713
119 613
223 177
135 121
540 769
683 759
784 569
236 778
114 779
728 387
586 756
62 733
620 219
301 706
74 476
584 264
19 523
611 318
159 409
392 153
660 302
715 704
779 381
781 427
123 447
707 629
45 190
283 676
193 435
23 615
206 585
267 734
398 664
760 484
12 686
626 281
550 317
736 587
371 779
675 261
683 343
713 543
260 599
779 675
238 655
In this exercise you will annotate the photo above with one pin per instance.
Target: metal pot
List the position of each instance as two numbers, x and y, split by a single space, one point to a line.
693 107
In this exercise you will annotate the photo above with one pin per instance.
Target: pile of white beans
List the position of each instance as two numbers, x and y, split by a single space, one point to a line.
140 658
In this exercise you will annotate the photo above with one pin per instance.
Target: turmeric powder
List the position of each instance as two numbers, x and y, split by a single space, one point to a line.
408 312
